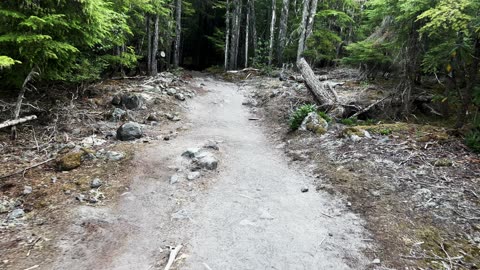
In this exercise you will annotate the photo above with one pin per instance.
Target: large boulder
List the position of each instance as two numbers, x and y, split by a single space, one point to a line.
129 131
314 123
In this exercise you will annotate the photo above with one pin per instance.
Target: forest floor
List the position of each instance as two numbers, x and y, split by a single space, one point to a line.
248 194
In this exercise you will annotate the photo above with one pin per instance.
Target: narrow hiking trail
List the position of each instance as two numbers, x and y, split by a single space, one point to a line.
249 214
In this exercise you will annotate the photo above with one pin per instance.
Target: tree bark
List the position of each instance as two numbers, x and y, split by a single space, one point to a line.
154 67
235 34
149 44
247 29
322 91
303 29
18 104
311 19
227 35
178 33
10 123
272 31
282 35
253 25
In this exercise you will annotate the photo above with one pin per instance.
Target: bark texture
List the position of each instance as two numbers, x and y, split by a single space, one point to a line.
303 29
227 35
272 31
282 33
178 33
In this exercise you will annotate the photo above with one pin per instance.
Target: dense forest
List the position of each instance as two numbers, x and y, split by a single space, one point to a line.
421 44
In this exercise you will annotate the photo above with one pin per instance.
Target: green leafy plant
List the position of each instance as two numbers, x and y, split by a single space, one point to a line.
385 131
325 116
299 115
349 121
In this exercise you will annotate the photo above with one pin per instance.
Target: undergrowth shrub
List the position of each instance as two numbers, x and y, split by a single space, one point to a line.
472 139
325 116
299 114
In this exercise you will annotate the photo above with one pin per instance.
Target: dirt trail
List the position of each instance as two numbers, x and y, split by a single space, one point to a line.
249 215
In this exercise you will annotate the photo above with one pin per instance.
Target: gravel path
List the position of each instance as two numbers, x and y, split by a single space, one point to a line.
250 214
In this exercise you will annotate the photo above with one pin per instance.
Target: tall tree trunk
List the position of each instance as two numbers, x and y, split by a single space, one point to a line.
18 104
178 33
235 34
149 44
311 19
154 67
272 31
253 25
227 34
247 29
466 98
282 35
303 29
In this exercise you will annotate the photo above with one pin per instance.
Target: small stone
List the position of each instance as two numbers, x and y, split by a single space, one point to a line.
180 96
376 261
27 190
54 179
17 213
96 183
80 197
67 192
209 162
171 91
355 138
191 152
193 175
118 114
114 156
211 145
304 189
174 179
70 160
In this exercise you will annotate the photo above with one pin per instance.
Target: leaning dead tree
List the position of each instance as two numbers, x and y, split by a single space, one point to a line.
16 112
321 90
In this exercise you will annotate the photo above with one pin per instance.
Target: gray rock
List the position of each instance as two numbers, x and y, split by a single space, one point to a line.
191 152
80 197
193 175
171 91
114 156
174 179
314 123
116 100
132 102
27 190
96 183
304 189
180 96
182 214
211 145
355 138
15 214
129 131
118 114
209 162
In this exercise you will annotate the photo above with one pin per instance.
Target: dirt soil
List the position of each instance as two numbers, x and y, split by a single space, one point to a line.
375 195
416 185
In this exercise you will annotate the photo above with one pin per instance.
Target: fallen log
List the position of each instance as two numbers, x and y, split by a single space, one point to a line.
10 123
244 70
322 91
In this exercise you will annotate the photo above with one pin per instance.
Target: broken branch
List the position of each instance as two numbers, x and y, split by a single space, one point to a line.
173 255
15 122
